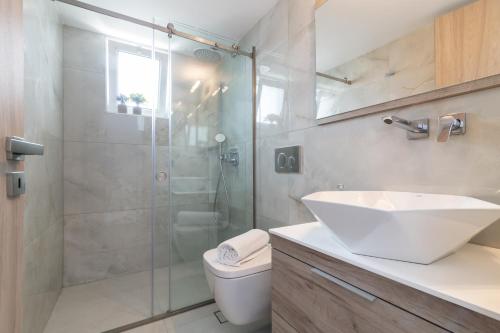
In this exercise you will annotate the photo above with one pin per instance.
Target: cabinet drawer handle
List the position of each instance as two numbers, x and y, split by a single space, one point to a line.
369 297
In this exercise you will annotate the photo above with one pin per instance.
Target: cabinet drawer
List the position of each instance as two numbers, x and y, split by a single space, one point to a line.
311 300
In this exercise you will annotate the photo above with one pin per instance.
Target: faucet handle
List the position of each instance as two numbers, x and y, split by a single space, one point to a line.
451 124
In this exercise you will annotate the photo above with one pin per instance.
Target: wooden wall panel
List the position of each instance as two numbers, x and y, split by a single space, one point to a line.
320 3
11 123
468 43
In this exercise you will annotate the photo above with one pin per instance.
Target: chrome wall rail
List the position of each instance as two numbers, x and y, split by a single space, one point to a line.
169 29
330 77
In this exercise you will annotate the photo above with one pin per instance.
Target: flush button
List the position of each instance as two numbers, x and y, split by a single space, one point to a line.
287 160
281 161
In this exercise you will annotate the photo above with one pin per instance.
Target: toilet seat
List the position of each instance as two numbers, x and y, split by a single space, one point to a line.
259 264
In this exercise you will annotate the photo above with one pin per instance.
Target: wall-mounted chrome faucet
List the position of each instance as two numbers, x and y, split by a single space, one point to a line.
451 124
415 129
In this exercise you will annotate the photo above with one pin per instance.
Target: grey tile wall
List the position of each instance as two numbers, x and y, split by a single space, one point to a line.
107 172
362 153
43 215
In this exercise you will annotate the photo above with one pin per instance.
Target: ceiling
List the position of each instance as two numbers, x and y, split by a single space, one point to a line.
229 18
347 29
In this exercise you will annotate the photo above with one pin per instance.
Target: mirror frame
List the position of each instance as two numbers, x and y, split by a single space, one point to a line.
464 88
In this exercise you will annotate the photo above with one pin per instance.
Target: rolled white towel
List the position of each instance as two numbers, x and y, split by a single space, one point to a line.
242 248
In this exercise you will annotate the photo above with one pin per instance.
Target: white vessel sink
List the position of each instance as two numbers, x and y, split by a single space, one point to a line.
414 227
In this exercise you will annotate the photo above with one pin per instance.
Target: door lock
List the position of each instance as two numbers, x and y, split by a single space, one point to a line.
16 184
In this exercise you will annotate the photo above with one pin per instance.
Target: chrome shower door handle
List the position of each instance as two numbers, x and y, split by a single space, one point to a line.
161 177
17 148
451 124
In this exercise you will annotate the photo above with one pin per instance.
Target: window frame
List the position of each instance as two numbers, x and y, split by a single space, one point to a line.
113 48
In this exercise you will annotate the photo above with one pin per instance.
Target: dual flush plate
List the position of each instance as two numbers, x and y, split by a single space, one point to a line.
287 159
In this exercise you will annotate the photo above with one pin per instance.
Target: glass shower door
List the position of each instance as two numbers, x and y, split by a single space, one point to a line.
210 182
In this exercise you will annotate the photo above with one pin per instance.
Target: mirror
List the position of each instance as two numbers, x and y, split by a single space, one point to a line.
371 52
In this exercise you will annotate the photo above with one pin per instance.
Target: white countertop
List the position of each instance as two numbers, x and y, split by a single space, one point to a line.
470 277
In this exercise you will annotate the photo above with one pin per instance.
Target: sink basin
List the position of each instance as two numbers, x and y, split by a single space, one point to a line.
414 227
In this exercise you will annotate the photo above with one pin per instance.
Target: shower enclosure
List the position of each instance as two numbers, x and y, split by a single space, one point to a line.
158 162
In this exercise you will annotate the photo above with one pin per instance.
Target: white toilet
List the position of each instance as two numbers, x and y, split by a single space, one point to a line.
242 293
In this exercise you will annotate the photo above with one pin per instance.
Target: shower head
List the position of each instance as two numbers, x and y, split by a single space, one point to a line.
220 138
207 55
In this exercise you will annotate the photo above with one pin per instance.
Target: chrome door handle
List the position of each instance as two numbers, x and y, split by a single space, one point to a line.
369 297
17 148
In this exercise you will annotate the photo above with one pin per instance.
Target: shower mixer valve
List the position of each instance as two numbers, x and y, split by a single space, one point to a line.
232 157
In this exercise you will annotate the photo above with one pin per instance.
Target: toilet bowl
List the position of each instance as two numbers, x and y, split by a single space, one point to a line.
243 294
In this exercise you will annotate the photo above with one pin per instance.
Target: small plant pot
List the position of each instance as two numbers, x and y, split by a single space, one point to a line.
137 110
122 108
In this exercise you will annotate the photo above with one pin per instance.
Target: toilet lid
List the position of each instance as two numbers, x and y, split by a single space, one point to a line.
259 264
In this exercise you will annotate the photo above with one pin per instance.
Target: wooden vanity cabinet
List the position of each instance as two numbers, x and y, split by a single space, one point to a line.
312 292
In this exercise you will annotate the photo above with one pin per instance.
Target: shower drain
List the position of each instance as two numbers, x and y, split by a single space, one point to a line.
220 317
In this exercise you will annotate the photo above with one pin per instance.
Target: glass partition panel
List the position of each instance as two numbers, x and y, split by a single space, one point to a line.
211 182
161 182
109 83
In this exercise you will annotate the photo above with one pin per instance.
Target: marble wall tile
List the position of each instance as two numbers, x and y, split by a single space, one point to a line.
101 177
43 176
273 74
272 195
43 270
43 216
301 14
285 61
189 161
269 31
106 231
84 50
106 237
86 267
87 118
302 71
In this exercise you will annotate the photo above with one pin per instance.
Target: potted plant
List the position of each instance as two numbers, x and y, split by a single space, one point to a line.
122 107
138 99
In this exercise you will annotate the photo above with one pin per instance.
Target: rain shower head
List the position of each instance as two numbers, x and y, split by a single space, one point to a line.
220 138
207 55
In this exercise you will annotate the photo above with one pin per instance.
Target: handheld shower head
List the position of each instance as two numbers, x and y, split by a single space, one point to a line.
220 138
